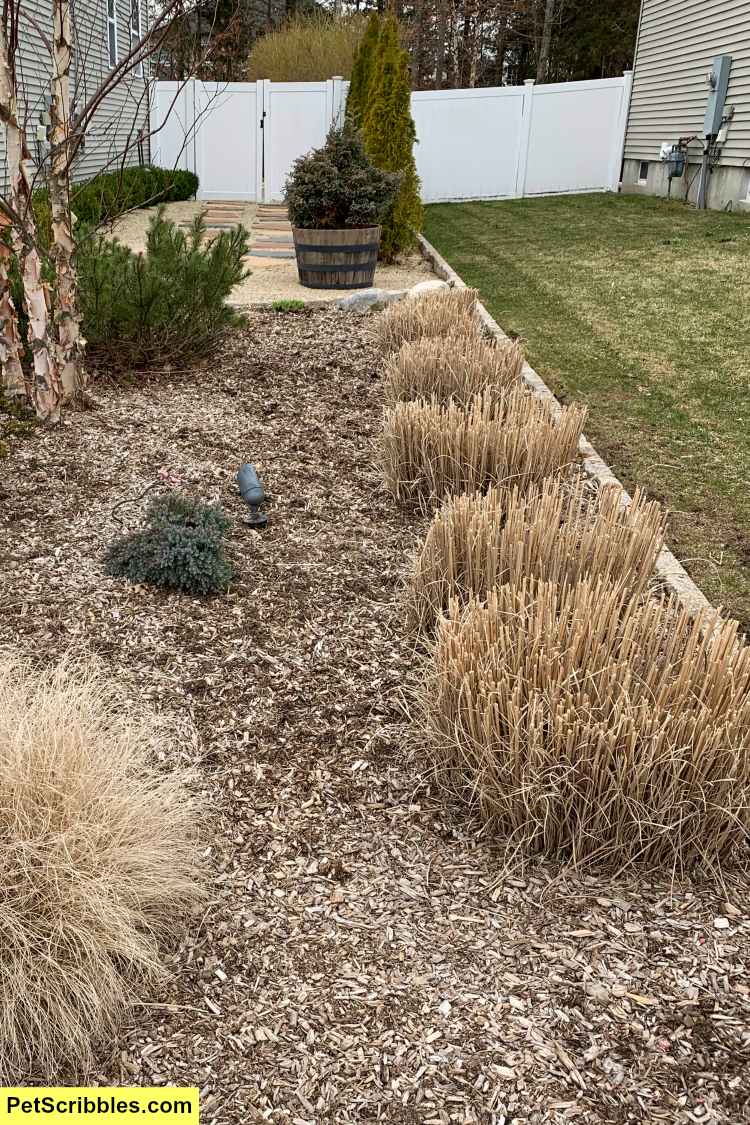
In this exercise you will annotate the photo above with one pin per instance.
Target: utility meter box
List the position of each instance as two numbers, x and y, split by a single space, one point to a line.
676 162
718 81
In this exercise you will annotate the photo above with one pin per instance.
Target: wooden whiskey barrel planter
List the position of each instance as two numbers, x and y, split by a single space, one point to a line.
336 259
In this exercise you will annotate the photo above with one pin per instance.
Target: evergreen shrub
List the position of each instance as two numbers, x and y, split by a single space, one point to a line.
181 546
359 87
164 306
390 135
338 186
103 198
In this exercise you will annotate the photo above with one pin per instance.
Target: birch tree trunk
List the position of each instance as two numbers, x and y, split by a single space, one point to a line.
67 307
45 385
11 348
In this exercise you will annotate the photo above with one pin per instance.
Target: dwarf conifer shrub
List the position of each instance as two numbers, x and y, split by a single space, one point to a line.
390 135
181 546
98 866
338 186
164 306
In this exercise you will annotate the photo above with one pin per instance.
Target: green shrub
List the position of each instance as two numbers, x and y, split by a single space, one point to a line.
181 547
103 198
390 135
167 305
288 306
359 87
16 421
308 47
338 186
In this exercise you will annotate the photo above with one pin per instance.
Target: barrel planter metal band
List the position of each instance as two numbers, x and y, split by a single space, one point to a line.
336 259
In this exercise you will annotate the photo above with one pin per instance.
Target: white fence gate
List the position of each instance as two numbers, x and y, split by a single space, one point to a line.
502 142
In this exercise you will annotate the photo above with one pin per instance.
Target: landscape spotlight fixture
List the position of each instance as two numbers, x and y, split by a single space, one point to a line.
252 493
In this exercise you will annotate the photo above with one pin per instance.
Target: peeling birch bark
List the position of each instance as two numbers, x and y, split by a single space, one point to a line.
46 391
11 348
68 316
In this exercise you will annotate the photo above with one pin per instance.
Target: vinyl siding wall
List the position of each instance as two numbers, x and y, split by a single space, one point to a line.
122 114
677 43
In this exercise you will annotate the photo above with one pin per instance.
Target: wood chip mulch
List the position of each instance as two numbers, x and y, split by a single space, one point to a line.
362 956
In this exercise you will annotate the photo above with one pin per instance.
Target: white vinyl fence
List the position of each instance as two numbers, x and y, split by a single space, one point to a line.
504 142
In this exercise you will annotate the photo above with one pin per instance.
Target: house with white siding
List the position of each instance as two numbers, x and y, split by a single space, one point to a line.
103 32
677 43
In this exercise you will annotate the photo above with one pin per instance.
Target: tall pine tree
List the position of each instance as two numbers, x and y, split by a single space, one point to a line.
359 87
390 135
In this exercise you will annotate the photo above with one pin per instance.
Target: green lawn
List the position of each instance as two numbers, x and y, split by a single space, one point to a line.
640 310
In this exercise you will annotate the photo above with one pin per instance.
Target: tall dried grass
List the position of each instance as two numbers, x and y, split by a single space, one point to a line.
97 865
309 46
478 542
448 312
587 725
511 440
456 367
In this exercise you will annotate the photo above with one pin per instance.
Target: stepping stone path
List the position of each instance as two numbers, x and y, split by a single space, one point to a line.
272 240
219 216
271 236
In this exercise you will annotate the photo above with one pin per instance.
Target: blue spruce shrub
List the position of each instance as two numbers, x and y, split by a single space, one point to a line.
181 546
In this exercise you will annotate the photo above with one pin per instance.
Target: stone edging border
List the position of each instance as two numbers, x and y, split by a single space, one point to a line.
669 572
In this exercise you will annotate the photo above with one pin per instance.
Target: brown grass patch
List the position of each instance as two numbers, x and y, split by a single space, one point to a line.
478 542
509 441
587 725
96 866
456 367
449 312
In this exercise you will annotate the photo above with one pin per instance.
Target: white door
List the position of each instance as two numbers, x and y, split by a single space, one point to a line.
298 117
230 148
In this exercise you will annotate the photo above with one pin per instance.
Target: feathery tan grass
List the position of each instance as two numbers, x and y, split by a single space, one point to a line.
477 542
97 865
587 725
448 312
456 367
509 440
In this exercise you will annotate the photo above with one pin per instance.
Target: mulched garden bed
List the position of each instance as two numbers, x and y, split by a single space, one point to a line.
362 956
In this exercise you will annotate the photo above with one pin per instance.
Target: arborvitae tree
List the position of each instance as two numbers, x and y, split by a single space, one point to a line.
359 87
390 134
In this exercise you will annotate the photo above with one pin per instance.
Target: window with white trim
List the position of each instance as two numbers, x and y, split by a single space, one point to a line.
112 32
135 30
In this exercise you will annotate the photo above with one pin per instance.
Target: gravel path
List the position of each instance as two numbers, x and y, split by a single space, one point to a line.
362 958
272 280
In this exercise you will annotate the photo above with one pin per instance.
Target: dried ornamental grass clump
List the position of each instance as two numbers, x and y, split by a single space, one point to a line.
585 725
512 441
456 367
479 541
444 313
97 866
